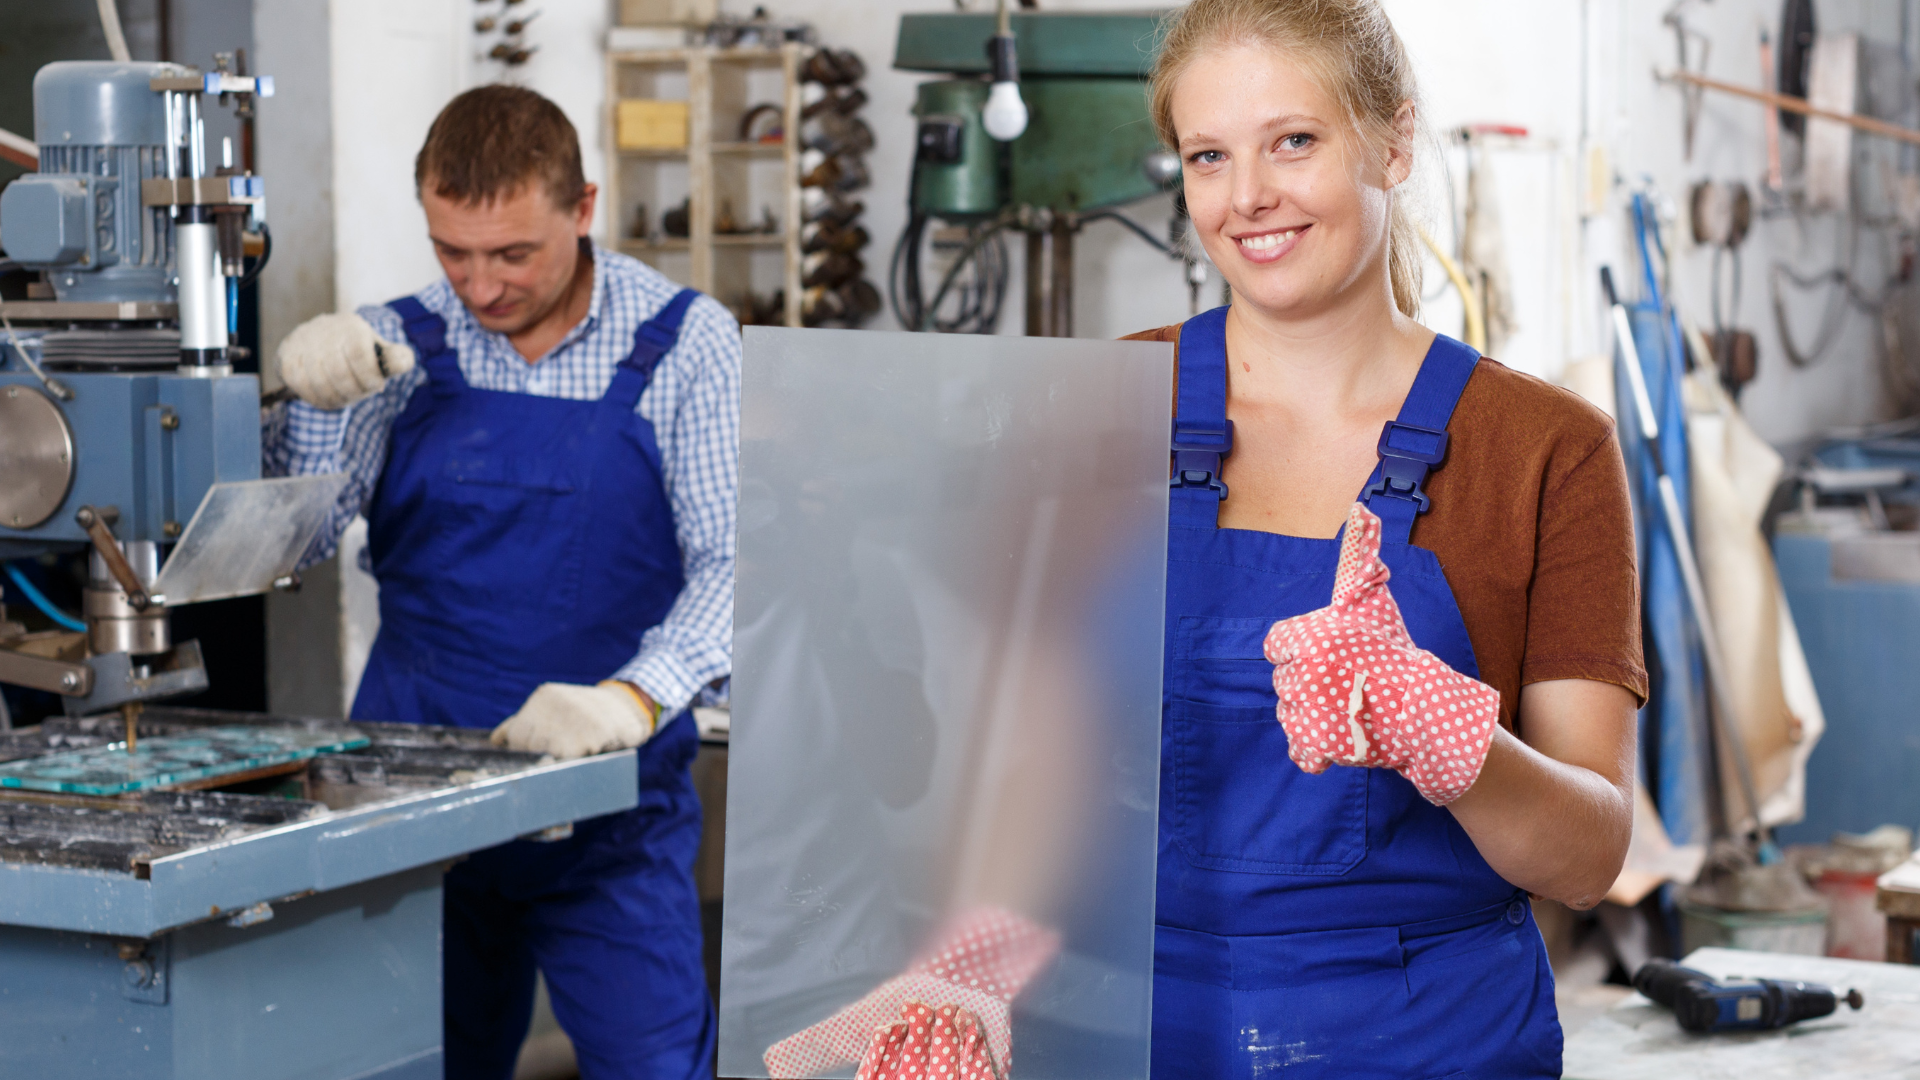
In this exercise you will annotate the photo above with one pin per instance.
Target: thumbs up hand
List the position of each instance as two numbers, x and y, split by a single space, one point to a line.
1355 690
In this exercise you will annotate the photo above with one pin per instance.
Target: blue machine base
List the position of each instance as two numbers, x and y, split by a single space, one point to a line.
342 985
1861 640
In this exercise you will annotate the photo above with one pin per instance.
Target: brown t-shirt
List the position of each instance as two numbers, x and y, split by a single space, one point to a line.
1531 523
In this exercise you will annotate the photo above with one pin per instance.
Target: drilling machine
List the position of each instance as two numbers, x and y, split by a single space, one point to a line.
124 430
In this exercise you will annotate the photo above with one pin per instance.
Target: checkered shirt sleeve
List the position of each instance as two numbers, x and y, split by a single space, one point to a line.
693 402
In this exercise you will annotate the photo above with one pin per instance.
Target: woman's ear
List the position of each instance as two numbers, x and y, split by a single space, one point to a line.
1400 154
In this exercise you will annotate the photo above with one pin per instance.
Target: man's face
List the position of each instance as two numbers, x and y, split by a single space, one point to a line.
510 260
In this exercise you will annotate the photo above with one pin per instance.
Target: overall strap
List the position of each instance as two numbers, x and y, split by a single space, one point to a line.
1202 434
427 333
1416 442
653 340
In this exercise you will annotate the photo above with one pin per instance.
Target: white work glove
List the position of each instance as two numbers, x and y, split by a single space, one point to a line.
332 361
570 721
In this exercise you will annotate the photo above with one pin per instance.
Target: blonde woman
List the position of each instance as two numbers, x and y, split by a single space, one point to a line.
1454 659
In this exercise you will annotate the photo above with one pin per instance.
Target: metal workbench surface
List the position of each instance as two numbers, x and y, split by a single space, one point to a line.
457 795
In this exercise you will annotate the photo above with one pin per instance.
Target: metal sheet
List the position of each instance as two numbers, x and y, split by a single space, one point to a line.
246 535
946 690
172 759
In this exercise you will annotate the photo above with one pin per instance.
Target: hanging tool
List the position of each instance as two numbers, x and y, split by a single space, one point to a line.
1776 180
1476 330
1703 1003
1689 568
1797 106
1683 36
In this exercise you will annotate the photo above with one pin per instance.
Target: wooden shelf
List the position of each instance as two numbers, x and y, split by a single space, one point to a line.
721 168
751 149
768 57
651 247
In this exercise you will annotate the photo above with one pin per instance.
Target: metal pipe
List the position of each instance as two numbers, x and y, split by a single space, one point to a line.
1036 282
203 291
1064 226
110 26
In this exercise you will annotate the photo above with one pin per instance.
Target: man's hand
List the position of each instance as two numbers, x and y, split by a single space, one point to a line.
571 721
1355 690
332 361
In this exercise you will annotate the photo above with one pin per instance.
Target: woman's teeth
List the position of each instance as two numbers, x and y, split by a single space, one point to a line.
1268 241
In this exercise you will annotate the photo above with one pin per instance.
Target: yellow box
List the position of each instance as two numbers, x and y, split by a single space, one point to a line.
651 125
657 12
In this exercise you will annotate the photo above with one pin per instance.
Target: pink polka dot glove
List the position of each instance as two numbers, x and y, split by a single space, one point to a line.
930 1044
970 978
1355 690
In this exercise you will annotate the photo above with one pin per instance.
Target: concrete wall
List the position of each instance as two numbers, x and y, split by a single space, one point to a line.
359 82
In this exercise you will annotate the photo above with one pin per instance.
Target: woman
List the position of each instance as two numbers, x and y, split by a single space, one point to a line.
1340 921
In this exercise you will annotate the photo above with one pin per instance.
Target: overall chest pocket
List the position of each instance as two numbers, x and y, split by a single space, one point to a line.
1239 803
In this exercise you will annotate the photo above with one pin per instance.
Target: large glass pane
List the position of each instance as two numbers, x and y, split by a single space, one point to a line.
946 691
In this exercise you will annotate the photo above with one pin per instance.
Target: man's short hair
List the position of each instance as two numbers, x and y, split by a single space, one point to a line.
491 141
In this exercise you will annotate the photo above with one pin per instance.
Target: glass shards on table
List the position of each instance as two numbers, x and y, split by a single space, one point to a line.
173 760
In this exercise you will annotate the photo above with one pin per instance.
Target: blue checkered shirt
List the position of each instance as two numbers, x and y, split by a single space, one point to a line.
693 402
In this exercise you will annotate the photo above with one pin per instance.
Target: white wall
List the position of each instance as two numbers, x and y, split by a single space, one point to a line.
1576 74
1580 76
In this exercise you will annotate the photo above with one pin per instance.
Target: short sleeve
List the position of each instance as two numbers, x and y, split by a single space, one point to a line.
1583 608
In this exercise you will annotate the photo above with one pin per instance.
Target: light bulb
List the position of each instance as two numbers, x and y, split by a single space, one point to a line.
1005 116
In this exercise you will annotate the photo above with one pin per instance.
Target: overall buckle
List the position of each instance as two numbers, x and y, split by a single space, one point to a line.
1407 452
1197 451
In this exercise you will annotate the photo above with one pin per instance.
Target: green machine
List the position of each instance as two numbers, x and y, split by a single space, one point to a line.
1082 146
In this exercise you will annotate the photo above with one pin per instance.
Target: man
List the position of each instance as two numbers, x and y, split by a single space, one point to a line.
545 447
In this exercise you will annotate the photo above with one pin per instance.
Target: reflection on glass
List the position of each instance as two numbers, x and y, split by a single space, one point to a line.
945 734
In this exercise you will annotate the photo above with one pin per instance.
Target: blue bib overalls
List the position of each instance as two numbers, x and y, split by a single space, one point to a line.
1336 925
518 540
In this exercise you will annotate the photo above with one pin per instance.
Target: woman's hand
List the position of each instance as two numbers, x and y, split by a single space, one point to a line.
1355 690
961 989
1553 812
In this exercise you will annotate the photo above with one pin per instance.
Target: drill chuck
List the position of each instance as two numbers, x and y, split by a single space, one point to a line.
1702 1003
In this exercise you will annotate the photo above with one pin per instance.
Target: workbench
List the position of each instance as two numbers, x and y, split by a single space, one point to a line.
1638 1040
288 931
1897 894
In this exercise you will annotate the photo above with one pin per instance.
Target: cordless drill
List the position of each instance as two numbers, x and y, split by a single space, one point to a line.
1702 1003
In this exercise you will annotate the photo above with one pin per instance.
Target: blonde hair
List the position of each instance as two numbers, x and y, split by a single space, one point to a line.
1350 45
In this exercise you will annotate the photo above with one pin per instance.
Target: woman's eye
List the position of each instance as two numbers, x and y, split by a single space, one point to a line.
1296 142
1207 157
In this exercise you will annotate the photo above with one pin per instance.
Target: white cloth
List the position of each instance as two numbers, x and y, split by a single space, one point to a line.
1778 717
572 721
332 361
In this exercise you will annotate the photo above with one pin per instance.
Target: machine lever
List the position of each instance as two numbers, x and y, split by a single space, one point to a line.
95 522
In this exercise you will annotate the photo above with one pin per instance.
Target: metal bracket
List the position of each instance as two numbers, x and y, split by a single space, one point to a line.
146 971
46 673
117 679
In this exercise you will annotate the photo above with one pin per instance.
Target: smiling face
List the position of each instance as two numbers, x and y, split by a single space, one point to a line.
1288 199
512 259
